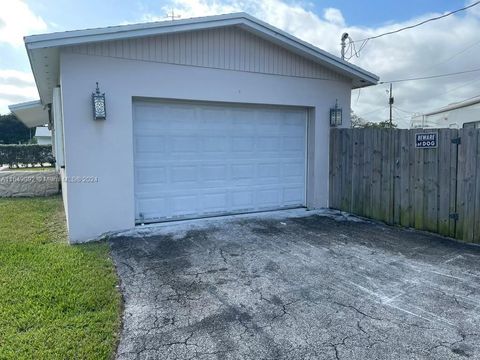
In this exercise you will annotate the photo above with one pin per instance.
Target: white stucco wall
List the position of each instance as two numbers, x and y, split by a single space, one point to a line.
104 149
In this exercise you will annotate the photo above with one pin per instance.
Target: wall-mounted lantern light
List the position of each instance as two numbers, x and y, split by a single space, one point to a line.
336 115
98 103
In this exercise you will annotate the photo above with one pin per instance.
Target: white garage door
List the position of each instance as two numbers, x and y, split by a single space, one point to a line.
195 159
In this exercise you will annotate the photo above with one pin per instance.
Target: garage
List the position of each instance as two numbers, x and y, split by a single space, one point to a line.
198 117
196 159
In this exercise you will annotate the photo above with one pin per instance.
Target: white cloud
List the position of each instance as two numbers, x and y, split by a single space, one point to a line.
417 52
18 20
334 16
426 50
16 86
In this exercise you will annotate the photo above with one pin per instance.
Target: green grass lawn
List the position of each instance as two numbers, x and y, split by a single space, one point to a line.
57 301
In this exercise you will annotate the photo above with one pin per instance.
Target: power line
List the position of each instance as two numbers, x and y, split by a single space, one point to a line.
405 111
451 57
420 23
358 96
429 77
456 54
400 116
461 86
370 112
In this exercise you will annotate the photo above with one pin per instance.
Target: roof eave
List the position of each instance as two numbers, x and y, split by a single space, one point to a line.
31 113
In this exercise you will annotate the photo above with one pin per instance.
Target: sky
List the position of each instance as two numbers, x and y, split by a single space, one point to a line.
448 45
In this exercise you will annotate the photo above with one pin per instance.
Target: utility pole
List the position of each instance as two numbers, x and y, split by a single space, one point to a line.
390 101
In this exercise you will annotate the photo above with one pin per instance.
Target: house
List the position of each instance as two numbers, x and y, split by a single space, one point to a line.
457 115
204 117
35 114
43 135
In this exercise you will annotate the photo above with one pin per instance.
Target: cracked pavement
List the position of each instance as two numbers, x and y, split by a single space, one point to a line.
298 288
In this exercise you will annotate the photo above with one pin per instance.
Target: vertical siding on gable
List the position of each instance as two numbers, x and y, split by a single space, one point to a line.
227 48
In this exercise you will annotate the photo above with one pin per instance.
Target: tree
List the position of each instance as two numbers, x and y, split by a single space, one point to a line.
13 131
381 125
358 122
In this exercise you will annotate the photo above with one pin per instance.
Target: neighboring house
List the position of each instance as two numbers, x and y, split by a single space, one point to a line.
43 135
34 114
207 116
457 115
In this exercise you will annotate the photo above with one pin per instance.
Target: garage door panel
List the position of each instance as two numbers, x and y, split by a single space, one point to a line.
214 173
150 144
242 199
243 144
268 143
218 144
151 175
184 174
214 202
293 169
153 207
242 172
182 205
269 198
184 144
197 160
294 144
293 196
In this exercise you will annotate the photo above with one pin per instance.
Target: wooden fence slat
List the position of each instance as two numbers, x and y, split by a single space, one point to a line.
347 170
397 178
469 179
391 176
386 177
368 152
431 189
382 175
444 173
357 173
460 203
405 168
454 134
461 184
476 238
419 192
376 175
413 180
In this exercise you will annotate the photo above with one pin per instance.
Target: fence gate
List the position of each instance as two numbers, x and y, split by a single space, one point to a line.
424 179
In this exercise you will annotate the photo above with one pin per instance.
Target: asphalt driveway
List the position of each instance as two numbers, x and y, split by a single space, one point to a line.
297 288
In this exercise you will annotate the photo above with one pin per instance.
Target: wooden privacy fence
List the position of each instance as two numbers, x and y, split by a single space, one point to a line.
380 174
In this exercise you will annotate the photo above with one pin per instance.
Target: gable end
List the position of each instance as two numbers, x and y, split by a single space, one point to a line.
228 48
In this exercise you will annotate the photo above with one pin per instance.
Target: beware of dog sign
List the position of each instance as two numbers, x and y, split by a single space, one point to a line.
426 140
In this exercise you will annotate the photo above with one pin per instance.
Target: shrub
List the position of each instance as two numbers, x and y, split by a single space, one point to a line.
15 155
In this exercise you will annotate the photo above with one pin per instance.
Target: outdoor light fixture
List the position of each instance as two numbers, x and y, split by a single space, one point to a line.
98 103
336 115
